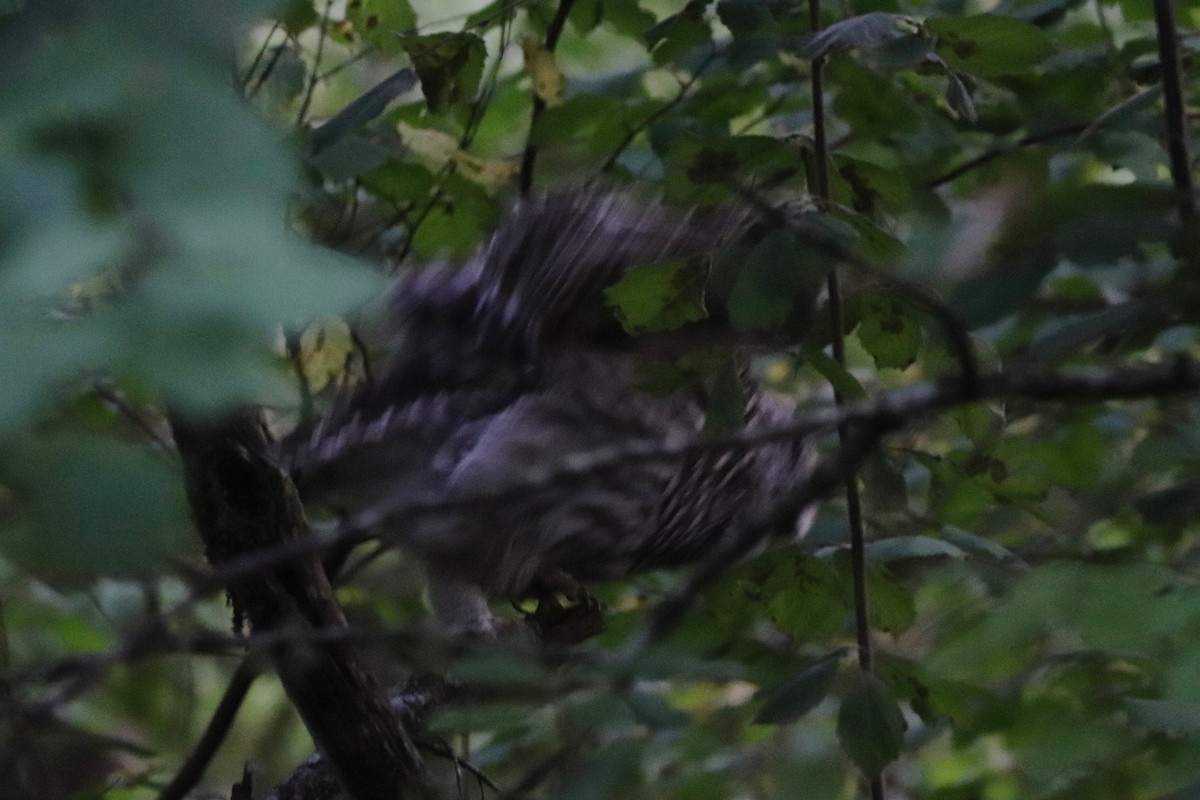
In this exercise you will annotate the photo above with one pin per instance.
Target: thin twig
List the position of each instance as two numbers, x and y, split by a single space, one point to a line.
349 62
135 417
259 56
854 517
685 88
479 108
1004 149
214 734
315 77
266 71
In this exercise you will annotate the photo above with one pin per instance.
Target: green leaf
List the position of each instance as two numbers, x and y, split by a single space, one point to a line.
868 238
1076 455
844 383
659 297
297 16
615 771
449 66
744 17
892 606
870 725
653 709
586 15
1099 225
90 507
988 45
484 718
1174 718
380 22
791 700
363 109
805 598
889 328
1177 503
498 670
972 544
777 276
959 98
627 17
1005 287
898 548
400 182
888 488
677 35
865 30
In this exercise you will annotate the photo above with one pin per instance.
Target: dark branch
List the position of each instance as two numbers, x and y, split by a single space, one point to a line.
1176 116
1004 149
214 734
242 502
898 407
529 159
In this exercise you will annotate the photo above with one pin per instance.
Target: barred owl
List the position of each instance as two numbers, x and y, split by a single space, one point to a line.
510 364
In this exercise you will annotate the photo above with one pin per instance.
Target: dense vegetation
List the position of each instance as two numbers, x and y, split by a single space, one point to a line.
197 200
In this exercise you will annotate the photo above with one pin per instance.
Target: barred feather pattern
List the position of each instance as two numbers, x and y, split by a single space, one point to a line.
485 377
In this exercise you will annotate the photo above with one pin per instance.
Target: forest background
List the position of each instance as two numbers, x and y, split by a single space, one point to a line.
197 200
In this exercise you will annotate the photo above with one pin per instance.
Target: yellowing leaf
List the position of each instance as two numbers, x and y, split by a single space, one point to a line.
431 145
548 81
484 171
324 348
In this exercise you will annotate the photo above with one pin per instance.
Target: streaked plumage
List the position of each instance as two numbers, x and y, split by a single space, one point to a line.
501 365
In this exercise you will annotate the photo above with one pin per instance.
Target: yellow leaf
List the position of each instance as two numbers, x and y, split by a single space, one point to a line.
325 347
481 170
548 81
432 145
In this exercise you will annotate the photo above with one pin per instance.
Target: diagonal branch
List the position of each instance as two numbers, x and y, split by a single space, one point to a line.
242 502
876 416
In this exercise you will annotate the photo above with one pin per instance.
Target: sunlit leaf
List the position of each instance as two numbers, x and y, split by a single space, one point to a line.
434 146
324 348
379 22
889 328
548 81
659 297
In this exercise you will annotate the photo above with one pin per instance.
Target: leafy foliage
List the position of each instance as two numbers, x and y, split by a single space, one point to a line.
172 237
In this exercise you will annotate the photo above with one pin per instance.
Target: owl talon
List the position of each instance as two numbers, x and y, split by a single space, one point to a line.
566 613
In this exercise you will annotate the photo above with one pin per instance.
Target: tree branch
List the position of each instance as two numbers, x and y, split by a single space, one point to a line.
242 502
878 415
528 160
214 734
1176 117
996 152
